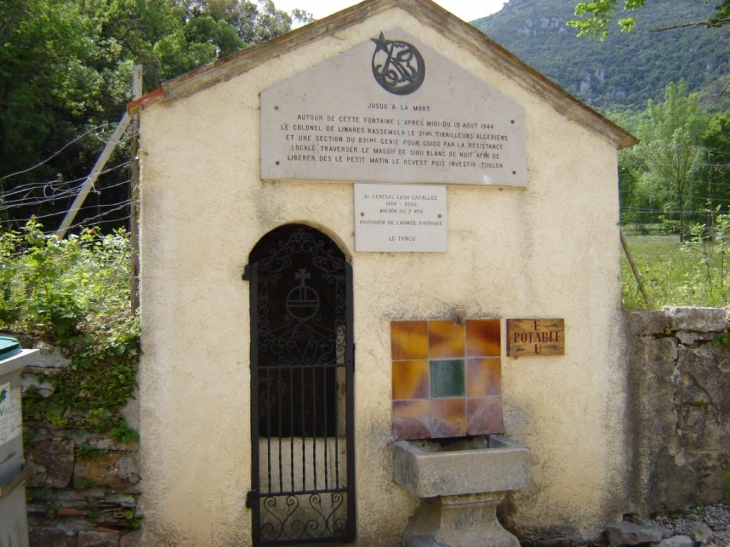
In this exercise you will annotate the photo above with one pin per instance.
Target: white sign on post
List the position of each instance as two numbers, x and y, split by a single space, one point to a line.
400 218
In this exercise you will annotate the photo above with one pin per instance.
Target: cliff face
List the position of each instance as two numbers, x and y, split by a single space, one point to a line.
626 70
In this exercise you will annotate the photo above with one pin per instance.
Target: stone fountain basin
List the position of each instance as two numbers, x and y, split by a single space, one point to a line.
452 467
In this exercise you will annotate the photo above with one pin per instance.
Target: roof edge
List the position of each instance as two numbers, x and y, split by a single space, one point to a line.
468 36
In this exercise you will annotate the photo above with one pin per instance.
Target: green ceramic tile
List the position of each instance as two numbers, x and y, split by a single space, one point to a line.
445 339
408 340
447 378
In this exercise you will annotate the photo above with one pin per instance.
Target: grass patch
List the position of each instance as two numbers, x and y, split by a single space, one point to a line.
676 274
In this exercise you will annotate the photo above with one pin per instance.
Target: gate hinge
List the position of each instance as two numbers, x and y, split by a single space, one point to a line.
251 498
246 273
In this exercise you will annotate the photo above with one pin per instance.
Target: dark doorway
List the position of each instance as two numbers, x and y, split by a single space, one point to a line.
302 363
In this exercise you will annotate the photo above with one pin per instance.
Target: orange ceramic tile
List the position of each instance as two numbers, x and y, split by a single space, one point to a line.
483 377
483 338
408 340
410 420
445 339
448 418
410 379
484 416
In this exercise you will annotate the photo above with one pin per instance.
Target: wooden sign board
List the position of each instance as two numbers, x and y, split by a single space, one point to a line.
535 337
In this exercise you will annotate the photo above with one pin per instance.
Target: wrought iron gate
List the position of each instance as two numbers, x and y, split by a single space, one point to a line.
302 363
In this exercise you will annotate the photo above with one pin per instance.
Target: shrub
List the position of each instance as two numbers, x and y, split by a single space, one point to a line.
74 294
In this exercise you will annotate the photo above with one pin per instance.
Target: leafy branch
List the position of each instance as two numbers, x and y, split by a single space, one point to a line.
594 17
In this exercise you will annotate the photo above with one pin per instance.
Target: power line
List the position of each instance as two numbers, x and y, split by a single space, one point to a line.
54 154
32 186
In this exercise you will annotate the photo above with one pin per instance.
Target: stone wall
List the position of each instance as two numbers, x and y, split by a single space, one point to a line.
679 407
84 488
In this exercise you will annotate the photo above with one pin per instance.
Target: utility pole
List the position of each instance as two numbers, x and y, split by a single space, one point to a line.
134 192
91 179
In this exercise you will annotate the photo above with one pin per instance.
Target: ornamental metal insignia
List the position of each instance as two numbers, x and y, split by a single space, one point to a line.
397 66
302 301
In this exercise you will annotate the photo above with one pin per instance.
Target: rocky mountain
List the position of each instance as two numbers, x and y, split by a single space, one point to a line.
625 70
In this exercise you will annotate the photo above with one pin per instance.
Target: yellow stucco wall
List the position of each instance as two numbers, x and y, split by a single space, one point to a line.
550 250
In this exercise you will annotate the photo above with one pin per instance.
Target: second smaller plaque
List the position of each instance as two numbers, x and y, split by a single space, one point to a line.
400 218
532 337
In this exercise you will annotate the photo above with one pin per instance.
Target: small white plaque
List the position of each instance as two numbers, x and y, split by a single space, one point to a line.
10 418
400 218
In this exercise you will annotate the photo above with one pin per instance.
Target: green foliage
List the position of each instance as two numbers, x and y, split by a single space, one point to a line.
45 50
679 175
131 519
65 69
84 484
594 17
670 150
74 293
90 453
710 247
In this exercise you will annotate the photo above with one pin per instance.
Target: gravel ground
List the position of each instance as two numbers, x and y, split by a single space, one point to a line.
717 517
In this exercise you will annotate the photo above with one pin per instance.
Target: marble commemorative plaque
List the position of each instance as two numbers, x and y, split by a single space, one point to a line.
392 110
400 218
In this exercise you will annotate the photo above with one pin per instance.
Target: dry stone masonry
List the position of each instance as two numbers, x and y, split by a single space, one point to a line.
84 488
679 382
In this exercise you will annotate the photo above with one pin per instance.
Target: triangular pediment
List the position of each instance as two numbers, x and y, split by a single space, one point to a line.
426 13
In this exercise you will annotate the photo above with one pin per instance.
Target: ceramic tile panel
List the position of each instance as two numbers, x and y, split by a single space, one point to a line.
448 418
483 338
484 415
446 378
411 419
411 379
445 339
408 340
484 376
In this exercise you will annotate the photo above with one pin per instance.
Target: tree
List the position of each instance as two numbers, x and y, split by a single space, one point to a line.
714 172
671 149
595 16
65 71
46 47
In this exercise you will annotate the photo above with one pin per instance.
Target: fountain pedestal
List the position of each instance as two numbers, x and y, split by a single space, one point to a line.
459 521
461 484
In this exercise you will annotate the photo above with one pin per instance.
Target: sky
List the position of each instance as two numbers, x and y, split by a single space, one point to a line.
468 10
